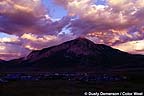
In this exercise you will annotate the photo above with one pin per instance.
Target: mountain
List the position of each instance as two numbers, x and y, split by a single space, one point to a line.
2 61
78 53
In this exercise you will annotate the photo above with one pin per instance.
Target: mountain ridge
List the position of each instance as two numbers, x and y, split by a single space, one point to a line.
76 54
79 41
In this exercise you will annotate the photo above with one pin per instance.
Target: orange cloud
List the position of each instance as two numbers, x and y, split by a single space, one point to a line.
30 47
35 38
9 39
134 47
36 42
12 6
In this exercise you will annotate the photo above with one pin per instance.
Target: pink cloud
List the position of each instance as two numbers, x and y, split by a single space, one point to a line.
117 15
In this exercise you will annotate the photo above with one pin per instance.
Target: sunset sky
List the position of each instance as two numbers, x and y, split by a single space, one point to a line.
27 25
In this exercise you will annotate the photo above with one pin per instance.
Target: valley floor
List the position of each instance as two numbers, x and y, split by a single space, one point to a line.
65 88
24 85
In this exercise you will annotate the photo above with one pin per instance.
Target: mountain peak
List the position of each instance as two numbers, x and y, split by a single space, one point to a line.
77 46
81 38
80 41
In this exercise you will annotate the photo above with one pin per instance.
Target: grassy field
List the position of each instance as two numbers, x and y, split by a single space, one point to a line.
64 88
134 82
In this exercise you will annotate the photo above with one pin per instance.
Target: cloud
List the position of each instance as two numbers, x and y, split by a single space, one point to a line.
35 38
36 42
134 47
12 51
13 39
115 19
28 16
20 16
